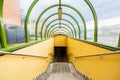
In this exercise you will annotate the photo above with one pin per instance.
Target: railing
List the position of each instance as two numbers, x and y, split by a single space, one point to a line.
104 54
12 53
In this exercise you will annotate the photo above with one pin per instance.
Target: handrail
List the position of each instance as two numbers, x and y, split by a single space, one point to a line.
111 53
12 53
93 55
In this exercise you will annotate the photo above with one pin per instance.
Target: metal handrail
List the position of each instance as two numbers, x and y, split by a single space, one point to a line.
108 53
12 53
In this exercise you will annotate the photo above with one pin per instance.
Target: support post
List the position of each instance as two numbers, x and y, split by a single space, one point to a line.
119 41
2 28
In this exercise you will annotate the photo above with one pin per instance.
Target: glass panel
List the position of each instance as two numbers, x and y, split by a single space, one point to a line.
12 22
108 17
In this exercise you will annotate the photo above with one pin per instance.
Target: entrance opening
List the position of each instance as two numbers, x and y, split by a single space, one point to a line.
60 54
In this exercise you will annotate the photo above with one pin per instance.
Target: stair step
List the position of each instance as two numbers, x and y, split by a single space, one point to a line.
61 71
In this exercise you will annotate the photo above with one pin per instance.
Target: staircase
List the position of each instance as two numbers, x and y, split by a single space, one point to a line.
61 71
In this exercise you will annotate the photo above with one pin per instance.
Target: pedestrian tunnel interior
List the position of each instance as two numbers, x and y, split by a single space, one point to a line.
59 34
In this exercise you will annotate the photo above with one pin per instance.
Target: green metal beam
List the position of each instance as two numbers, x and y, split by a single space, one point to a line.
63 29
2 28
63 24
52 29
59 34
27 19
64 14
75 32
65 5
55 32
95 20
119 41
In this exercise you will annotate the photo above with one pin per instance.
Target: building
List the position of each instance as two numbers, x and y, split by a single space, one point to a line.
11 12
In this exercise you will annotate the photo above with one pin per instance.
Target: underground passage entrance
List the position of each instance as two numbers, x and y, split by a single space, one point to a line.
60 54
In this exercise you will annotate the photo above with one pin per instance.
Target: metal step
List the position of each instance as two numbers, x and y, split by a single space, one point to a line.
61 71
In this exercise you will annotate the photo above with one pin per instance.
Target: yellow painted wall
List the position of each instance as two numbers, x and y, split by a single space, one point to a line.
21 67
40 49
79 48
13 67
98 68
60 40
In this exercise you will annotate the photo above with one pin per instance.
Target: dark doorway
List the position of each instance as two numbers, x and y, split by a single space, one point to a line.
60 54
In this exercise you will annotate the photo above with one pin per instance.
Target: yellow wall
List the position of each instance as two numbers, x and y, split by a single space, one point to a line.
79 48
60 40
21 67
13 67
98 68
40 49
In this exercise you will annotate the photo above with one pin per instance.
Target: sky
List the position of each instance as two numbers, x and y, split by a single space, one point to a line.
108 12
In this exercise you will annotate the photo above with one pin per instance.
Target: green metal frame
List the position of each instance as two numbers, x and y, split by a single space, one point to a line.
63 29
63 24
3 34
52 29
57 14
27 19
2 28
95 20
36 31
119 41
75 32
57 32
85 31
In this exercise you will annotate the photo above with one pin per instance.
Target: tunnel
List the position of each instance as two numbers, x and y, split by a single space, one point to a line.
60 54
59 40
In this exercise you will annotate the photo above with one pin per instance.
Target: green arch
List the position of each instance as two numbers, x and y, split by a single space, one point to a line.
59 34
27 19
2 28
57 14
65 5
95 20
58 24
36 32
53 28
68 34
61 20
63 29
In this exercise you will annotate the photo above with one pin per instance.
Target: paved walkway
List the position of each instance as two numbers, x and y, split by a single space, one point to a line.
61 71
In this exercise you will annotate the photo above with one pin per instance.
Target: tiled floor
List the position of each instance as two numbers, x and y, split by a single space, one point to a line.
61 71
